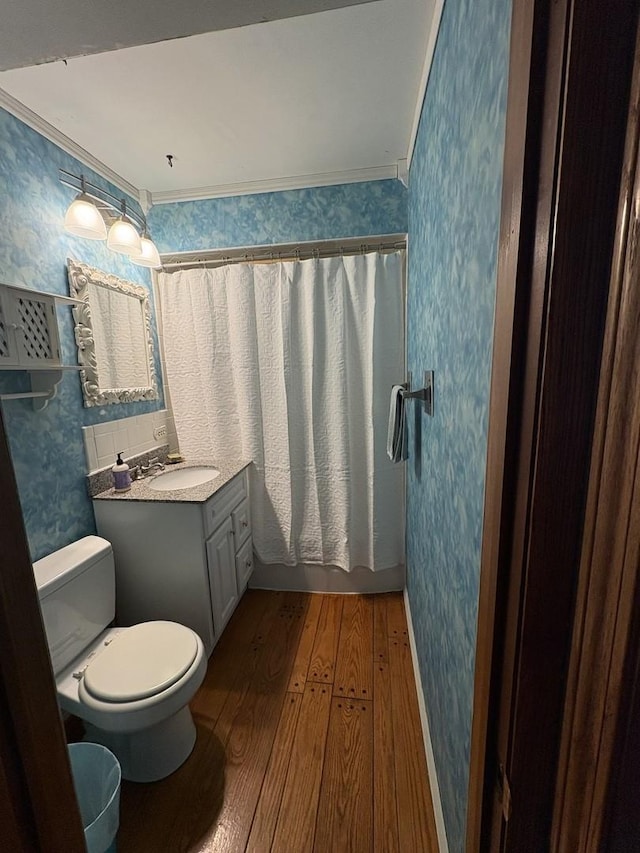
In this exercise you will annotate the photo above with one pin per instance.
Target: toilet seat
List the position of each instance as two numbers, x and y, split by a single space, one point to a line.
125 716
140 662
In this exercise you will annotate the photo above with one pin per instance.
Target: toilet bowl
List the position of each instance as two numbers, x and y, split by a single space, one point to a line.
131 686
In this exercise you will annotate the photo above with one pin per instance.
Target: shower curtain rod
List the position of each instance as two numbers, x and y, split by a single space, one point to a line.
283 252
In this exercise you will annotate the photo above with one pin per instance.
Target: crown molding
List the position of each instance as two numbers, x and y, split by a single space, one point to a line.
297 182
434 29
34 121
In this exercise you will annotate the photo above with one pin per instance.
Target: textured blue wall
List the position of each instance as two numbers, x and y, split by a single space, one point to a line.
46 446
454 206
319 213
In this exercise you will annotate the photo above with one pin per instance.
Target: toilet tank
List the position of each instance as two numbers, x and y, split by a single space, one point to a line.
76 588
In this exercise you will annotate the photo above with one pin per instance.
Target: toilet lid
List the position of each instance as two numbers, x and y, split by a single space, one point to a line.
141 661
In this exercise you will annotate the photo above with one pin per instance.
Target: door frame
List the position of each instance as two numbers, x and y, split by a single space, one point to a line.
556 251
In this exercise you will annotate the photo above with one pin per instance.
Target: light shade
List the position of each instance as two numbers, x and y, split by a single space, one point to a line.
149 256
84 219
124 238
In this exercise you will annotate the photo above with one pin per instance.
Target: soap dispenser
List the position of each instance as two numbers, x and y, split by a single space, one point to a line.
121 475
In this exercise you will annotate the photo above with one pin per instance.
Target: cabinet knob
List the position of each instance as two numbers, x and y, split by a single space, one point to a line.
248 564
245 523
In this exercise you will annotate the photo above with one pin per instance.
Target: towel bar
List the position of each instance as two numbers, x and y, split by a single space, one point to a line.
424 394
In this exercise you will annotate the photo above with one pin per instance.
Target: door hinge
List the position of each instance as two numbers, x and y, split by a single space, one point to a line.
504 792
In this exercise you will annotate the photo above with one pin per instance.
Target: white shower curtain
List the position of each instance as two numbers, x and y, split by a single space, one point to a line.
290 364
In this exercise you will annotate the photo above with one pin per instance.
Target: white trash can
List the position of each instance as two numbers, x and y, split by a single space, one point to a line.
96 778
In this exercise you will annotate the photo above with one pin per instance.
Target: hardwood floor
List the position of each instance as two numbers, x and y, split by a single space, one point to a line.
309 738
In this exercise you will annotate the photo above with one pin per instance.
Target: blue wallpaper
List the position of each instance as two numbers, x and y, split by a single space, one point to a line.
319 213
46 446
454 207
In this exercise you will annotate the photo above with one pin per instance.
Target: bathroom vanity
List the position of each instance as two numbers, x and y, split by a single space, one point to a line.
181 554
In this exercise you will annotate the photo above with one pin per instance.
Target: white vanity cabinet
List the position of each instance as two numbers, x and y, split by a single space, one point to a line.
182 561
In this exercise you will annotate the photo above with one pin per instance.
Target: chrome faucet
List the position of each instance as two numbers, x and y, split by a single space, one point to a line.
154 463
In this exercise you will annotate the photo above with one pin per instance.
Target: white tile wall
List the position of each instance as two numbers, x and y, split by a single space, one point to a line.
105 445
130 436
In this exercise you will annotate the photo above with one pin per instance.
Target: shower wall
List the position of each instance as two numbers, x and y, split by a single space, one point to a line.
318 213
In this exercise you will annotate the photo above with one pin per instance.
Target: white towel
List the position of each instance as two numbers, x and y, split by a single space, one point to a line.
396 435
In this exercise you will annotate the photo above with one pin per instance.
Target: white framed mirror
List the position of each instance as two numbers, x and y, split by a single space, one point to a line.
113 336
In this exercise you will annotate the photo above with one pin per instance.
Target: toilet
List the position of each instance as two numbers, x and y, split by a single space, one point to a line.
130 686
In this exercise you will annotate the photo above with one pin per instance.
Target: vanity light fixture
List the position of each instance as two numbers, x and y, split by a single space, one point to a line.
94 209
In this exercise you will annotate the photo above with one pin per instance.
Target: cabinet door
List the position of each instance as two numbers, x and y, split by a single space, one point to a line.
222 575
33 319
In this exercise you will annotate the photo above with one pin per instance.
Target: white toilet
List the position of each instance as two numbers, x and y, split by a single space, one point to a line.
131 686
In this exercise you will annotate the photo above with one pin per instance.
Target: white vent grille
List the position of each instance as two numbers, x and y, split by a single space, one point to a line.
33 319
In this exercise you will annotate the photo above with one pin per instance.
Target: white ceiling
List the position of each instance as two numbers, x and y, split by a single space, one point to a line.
299 101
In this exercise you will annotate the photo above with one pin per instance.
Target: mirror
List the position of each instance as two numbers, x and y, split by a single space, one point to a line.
113 336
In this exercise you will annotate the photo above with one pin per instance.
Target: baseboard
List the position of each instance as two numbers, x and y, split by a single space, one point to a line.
308 578
443 845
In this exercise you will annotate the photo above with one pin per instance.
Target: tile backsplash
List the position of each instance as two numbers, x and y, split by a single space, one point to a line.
129 436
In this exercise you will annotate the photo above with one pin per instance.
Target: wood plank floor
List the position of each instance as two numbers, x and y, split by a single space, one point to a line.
309 738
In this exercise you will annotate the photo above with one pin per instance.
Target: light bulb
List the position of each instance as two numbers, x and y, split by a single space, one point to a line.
149 256
84 219
124 238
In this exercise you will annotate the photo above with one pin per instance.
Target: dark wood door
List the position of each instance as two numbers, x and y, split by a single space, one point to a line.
599 772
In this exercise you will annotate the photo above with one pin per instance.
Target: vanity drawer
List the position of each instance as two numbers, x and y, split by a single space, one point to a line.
241 517
219 506
244 565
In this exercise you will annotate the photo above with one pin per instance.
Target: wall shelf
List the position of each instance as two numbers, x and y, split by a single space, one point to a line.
30 341
44 385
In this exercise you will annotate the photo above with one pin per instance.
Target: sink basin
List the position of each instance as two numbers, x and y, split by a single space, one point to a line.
183 479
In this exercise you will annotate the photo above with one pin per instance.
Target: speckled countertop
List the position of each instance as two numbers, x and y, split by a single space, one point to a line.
140 490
